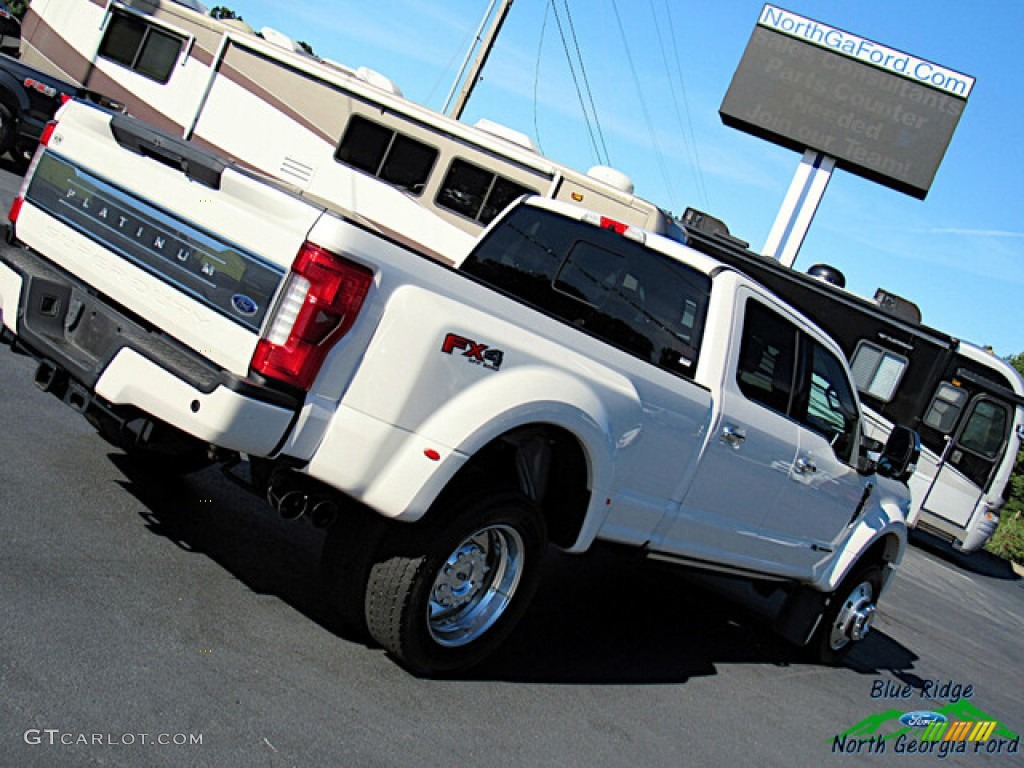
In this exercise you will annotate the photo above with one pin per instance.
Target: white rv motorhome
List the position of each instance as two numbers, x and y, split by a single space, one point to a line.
972 431
332 131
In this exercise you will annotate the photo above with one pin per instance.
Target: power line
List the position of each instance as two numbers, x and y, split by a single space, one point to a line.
656 146
692 147
576 84
536 77
586 84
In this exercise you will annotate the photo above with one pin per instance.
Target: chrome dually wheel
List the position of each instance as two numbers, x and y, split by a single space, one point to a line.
445 592
475 585
850 614
853 622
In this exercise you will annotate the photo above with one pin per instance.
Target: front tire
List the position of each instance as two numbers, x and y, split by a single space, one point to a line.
443 594
849 616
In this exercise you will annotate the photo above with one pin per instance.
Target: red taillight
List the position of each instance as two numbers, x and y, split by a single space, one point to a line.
19 200
319 302
44 138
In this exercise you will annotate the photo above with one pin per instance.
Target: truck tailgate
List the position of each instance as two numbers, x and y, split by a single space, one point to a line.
154 253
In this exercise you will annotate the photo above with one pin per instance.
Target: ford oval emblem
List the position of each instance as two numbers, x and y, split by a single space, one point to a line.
922 718
244 305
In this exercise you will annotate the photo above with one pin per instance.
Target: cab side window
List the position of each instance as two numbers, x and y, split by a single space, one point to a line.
827 405
784 369
767 357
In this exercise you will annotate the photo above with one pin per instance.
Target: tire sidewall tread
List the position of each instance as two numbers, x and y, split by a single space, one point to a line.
410 557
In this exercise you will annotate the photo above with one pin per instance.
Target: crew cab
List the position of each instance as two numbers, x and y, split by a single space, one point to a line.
569 379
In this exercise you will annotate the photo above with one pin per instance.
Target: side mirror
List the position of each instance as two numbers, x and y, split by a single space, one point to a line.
900 454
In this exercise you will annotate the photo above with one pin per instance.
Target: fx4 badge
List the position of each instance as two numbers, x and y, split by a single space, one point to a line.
478 354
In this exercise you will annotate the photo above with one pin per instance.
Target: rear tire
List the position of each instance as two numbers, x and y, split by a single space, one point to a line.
443 594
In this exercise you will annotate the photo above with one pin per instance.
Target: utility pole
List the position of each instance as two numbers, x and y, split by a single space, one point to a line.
478 63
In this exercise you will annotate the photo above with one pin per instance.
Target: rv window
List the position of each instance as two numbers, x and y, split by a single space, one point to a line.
145 48
985 429
877 371
477 193
386 154
947 404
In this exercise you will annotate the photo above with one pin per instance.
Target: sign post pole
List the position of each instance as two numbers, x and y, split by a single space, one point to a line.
799 206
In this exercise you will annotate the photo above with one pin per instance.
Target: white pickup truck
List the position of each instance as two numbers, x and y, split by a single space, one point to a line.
568 380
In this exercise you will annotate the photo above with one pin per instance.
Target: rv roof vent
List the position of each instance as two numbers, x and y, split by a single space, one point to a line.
377 80
280 39
897 306
504 132
828 274
612 177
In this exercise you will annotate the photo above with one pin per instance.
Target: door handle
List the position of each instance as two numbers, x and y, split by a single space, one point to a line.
805 466
733 436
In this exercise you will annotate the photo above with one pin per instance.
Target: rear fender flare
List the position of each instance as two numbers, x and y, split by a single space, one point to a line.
597 413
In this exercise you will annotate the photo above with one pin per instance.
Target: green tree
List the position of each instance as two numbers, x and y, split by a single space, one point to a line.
223 12
18 7
1008 540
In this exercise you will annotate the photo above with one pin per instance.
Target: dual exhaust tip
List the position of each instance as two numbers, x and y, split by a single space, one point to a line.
291 504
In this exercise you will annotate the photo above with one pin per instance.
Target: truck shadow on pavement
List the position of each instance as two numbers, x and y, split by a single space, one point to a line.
600 618
611 618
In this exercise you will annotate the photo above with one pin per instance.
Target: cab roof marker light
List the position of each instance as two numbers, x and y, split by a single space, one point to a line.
618 227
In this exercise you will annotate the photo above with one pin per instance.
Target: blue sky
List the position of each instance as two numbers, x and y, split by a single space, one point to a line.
657 80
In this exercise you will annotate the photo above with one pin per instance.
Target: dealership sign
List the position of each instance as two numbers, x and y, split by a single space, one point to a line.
881 113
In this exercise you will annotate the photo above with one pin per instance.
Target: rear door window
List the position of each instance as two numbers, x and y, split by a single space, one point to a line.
767 363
